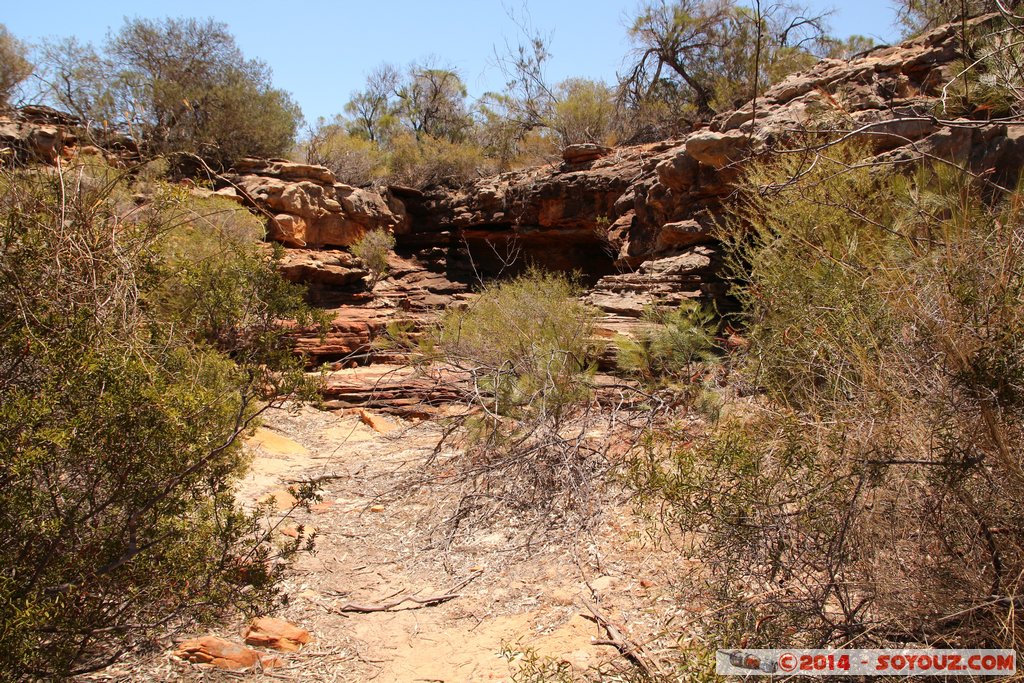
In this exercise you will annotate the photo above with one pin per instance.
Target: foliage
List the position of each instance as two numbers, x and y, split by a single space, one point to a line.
433 161
373 111
412 128
527 341
373 250
705 56
584 111
176 85
518 357
431 103
679 340
989 77
918 16
14 64
885 320
529 666
136 346
76 78
353 158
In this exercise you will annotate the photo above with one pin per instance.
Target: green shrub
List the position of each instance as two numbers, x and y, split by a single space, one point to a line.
519 358
135 351
872 494
527 341
178 86
529 666
14 64
679 340
353 160
428 161
373 250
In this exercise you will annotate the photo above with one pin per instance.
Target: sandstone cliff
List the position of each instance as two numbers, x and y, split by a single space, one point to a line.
636 221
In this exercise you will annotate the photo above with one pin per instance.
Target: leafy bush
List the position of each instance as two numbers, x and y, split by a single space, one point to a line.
429 161
373 250
177 85
353 160
14 64
136 348
583 111
527 341
518 357
679 340
872 493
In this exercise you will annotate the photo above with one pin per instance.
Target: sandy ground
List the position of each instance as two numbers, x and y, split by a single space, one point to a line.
376 542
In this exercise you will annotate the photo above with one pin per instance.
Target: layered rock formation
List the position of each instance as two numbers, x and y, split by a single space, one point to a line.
38 134
637 221
307 206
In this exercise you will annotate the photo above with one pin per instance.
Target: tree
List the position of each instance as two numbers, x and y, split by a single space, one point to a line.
432 102
78 79
373 249
885 321
583 111
14 64
372 110
708 55
176 85
918 16
138 344
352 158
528 99
200 93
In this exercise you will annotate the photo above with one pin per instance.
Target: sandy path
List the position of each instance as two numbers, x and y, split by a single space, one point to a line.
375 544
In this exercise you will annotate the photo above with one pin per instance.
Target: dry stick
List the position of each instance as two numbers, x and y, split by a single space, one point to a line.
632 651
392 604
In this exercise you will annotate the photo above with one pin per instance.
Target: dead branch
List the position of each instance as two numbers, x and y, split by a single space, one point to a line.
634 652
417 602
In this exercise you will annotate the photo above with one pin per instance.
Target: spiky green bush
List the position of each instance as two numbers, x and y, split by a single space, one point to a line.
871 492
373 250
527 342
676 342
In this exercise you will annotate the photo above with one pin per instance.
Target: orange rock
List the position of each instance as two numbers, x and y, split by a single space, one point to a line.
282 499
322 507
376 422
276 633
223 654
292 531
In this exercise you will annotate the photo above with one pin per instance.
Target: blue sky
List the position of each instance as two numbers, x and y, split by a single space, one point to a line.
320 51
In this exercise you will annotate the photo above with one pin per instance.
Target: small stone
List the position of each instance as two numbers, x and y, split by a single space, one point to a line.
276 633
584 152
322 507
292 531
223 654
282 499
376 508
376 422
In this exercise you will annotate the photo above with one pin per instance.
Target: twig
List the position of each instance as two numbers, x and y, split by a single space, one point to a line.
629 649
388 605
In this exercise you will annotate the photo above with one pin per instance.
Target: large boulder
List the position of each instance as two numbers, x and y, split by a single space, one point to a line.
276 634
306 206
223 654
